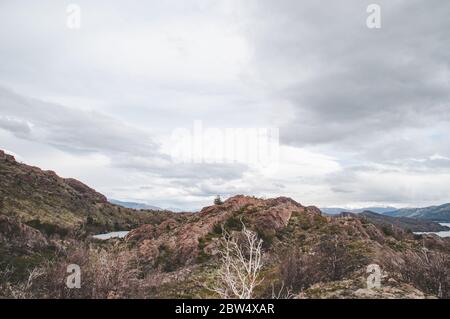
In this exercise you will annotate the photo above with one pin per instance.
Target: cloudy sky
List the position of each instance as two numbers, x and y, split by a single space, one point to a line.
363 114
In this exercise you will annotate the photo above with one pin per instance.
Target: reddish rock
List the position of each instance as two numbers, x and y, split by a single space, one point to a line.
6 157
86 190
142 233
17 235
182 239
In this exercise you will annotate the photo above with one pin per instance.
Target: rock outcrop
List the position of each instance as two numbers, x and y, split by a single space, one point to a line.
15 235
357 289
6 157
182 240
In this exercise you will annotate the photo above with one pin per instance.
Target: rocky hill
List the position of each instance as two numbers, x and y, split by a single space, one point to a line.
295 238
184 242
57 205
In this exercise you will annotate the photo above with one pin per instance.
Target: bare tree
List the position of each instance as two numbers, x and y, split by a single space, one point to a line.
241 263
282 292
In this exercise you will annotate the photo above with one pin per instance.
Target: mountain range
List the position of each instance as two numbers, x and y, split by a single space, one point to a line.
134 205
436 213
407 223
338 210
439 213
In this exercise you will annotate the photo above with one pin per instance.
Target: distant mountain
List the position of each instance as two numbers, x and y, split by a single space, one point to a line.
407 223
337 210
435 213
179 210
133 205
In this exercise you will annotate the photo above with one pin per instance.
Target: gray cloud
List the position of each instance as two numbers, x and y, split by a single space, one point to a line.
84 131
71 129
17 126
349 85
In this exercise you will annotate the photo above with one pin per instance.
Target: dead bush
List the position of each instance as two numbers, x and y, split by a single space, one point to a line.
110 272
427 271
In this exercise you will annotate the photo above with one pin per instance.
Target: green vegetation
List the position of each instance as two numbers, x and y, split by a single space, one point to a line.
47 229
218 200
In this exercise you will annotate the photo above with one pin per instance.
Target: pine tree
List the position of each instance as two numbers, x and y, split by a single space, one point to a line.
217 200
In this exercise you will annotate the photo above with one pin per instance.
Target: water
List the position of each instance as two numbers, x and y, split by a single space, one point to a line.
116 234
440 233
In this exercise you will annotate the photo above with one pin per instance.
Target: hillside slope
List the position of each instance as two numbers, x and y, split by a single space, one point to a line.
53 204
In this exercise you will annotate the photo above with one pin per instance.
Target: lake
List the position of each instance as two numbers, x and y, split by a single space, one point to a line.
116 234
439 233
122 234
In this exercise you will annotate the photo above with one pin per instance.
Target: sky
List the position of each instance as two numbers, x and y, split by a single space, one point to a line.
358 116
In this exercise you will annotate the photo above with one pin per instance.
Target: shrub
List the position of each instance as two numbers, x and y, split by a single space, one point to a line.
217 229
387 230
332 259
47 229
165 259
89 220
428 271
233 223
267 235
299 271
